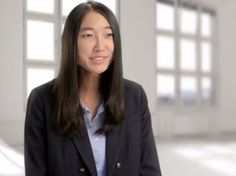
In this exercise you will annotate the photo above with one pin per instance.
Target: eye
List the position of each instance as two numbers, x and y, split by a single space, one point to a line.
87 35
109 34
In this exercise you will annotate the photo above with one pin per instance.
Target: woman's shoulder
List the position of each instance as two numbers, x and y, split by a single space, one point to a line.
132 87
43 90
133 91
135 98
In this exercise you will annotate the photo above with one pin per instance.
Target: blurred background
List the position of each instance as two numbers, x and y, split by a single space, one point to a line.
181 51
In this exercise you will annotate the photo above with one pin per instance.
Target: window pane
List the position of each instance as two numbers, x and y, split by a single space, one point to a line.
165 52
188 90
43 6
40 40
187 55
206 55
188 22
111 4
207 90
165 16
37 76
206 24
165 89
68 5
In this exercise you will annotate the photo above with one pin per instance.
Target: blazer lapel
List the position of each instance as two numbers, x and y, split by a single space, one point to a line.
84 148
113 139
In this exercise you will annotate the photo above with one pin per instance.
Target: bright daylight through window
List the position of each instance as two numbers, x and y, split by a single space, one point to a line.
185 60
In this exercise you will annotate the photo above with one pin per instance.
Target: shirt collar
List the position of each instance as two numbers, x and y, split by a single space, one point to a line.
99 110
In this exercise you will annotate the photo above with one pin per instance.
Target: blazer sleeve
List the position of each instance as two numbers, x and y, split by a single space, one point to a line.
35 137
149 158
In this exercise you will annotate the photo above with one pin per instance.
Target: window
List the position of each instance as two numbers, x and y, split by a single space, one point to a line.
185 63
166 88
43 24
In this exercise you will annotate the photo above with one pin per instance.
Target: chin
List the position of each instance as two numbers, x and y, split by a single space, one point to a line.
99 71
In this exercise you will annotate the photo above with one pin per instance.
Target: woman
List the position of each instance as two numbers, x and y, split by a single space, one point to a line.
90 121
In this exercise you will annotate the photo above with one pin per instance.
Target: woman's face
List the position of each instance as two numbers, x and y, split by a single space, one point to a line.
95 44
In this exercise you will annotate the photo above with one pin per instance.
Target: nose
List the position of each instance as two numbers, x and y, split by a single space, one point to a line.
99 45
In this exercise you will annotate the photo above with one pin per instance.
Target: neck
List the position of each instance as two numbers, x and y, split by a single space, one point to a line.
89 88
89 92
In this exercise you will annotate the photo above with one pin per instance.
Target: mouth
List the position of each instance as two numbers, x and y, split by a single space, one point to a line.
98 59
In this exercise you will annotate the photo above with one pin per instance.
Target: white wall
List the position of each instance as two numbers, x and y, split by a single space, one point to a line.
11 71
137 21
227 37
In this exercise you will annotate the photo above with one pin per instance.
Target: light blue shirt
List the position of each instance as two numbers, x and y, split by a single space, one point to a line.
97 141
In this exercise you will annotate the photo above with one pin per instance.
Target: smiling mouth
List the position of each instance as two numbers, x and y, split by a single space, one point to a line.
98 59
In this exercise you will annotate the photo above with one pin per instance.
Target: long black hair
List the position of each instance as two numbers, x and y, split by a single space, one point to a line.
68 113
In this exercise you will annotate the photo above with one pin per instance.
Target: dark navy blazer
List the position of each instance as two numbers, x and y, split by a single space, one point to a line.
130 147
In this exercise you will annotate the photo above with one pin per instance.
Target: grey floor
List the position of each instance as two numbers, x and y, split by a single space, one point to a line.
198 157
11 160
193 157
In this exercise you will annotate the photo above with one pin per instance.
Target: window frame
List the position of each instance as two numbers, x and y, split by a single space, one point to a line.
177 72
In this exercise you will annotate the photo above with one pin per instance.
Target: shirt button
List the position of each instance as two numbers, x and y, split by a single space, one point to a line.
118 165
82 169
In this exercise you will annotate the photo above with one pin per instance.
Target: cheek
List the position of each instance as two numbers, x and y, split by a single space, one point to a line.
83 50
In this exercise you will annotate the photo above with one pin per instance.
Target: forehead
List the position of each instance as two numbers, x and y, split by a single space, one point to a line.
94 19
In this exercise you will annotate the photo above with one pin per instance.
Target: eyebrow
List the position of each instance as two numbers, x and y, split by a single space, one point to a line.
90 28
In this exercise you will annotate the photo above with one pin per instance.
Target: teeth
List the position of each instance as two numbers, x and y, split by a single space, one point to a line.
98 58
